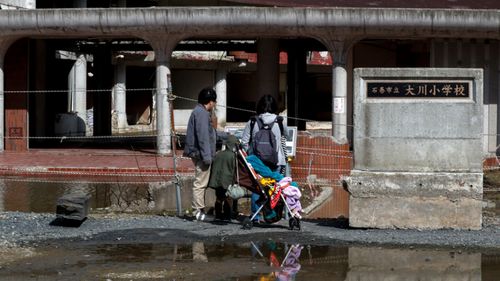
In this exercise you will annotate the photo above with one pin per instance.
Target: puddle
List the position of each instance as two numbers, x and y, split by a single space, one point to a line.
198 261
248 261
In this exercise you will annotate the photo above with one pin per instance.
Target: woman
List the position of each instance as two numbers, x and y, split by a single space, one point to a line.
267 108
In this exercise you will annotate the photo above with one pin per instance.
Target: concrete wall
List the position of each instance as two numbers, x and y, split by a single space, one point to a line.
164 196
414 134
417 161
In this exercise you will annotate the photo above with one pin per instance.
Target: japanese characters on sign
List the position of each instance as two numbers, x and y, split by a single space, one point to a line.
418 89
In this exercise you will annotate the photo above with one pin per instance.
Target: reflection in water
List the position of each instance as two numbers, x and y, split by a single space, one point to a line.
287 269
284 261
366 263
291 264
398 264
199 252
261 261
250 261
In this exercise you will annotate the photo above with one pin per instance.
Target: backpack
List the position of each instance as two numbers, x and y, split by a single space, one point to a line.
263 144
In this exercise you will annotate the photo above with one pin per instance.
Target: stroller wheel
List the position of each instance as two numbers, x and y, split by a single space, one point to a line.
247 223
294 223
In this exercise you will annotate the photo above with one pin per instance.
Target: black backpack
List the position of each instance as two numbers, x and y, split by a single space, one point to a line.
263 144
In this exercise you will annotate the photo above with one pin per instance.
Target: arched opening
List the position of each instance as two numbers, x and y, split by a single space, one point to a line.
65 91
303 83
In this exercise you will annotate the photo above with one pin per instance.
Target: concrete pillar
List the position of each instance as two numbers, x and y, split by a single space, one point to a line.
221 89
163 117
339 48
268 67
339 103
77 98
119 97
163 48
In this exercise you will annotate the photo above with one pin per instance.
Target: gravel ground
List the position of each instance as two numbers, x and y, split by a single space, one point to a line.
30 229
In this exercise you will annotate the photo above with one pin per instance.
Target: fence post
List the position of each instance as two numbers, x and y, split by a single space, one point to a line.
177 183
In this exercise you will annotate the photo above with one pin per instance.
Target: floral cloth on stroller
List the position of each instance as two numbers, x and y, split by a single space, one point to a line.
275 190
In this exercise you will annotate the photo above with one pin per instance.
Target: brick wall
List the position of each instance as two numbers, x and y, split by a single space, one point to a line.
16 104
491 163
319 155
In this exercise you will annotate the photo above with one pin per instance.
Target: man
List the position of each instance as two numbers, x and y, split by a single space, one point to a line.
200 146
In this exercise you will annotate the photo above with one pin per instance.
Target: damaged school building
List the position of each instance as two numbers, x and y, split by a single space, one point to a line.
110 68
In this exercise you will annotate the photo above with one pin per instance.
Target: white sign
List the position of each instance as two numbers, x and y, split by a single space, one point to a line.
291 141
338 105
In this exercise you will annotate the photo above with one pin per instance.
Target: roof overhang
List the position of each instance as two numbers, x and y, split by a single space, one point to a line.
250 22
442 4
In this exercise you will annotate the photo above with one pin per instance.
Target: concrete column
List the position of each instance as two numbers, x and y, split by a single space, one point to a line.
119 97
339 49
339 103
163 48
268 67
221 89
163 117
77 98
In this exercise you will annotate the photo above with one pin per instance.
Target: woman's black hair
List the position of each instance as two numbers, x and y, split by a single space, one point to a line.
207 95
267 104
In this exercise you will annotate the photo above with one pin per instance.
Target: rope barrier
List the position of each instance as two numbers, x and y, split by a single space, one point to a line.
171 97
321 169
94 172
325 154
118 178
137 90
82 173
79 182
65 91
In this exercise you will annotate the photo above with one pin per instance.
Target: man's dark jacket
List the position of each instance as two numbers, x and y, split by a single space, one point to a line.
200 136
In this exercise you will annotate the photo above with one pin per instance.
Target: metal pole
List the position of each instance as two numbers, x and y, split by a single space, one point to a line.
176 179
177 183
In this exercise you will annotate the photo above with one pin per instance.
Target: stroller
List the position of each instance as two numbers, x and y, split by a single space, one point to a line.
272 201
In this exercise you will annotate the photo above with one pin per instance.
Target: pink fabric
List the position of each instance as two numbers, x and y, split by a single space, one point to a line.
292 194
290 266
